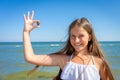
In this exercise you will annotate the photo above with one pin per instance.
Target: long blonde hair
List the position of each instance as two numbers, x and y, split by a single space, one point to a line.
93 45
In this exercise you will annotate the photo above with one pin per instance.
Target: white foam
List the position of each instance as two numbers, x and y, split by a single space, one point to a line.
54 45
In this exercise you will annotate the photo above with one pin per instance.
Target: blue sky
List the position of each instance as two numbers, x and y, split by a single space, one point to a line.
55 17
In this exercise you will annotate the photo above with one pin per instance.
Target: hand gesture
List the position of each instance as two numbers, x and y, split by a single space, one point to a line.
29 23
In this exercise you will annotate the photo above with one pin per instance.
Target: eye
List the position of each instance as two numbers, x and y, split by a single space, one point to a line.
72 37
81 35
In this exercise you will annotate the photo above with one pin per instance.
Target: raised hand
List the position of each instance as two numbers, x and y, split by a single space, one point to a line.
29 23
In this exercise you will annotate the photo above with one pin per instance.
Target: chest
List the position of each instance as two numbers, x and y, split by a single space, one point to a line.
74 71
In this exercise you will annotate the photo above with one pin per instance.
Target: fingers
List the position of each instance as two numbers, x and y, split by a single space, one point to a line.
28 16
32 15
29 20
24 17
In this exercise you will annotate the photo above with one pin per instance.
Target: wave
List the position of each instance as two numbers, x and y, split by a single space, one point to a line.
18 46
54 44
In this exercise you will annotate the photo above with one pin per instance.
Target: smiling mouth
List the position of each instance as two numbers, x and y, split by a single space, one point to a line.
77 46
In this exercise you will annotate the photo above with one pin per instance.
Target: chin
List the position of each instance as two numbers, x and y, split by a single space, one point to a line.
79 50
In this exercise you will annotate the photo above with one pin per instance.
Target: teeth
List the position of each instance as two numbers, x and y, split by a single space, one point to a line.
77 46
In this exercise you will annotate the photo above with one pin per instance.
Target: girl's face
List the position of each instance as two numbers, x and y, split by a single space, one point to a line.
79 38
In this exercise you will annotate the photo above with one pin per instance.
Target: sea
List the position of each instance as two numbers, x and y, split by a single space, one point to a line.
12 61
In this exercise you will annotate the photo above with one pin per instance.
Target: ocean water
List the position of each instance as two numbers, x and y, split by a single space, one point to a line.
12 57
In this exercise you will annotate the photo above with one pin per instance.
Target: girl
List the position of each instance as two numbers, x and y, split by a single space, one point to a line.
80 59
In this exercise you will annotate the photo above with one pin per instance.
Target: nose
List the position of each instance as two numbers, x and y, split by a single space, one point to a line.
77 39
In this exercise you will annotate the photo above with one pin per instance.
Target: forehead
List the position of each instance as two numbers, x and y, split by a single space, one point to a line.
78 30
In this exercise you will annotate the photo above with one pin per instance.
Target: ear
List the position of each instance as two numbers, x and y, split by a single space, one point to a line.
89 38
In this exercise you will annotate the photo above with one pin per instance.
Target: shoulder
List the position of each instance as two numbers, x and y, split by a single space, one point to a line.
59 55
104 69
98 62
100 65
60 58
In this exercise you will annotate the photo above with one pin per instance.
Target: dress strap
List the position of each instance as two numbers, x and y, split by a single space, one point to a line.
71 57
93 59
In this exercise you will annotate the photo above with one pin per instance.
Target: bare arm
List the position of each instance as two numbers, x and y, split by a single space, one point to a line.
45 60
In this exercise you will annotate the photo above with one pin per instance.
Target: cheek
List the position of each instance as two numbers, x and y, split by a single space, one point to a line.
71 41
85 40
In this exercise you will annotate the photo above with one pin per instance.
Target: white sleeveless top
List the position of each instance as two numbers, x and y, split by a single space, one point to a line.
75 71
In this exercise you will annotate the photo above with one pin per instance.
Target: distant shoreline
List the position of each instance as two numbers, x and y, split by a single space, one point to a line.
46 41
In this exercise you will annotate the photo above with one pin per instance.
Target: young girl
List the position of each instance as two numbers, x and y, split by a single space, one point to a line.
80 59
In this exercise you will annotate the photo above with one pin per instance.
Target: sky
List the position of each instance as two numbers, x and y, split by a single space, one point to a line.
55 17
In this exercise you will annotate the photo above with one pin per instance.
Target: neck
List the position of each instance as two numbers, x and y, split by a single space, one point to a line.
80 53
